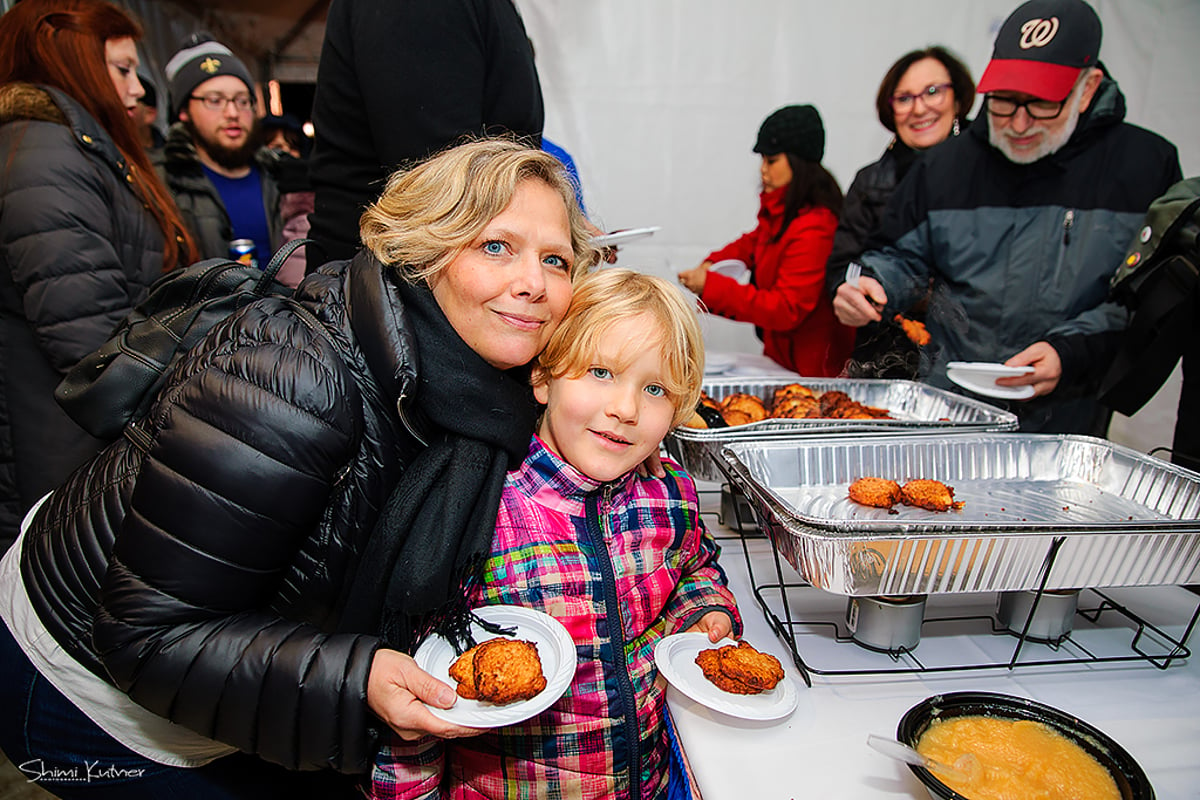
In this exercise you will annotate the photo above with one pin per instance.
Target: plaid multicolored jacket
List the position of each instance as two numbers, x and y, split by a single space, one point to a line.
620 565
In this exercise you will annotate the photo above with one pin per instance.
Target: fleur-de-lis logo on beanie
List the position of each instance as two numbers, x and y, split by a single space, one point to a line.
210 65
1038 32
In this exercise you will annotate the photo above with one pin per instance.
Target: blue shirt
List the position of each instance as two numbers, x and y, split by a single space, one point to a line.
243 202
572 171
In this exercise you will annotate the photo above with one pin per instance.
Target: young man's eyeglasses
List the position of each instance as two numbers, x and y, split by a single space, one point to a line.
934 96
1037 109
218 102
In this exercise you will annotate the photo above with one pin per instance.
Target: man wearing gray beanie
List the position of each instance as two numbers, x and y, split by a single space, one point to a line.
213 162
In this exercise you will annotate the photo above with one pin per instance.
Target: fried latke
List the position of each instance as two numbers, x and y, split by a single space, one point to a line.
749 667
499 671
929 494
789 392
740 669
877 492
744 408
463 672
832 400
914 330
796 407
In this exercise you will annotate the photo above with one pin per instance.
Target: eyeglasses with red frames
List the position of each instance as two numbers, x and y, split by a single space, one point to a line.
933 96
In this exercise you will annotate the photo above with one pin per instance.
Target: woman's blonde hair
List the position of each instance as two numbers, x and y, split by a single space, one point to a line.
602 301
430 212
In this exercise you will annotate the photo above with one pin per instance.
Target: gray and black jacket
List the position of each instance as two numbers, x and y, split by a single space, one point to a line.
1024 253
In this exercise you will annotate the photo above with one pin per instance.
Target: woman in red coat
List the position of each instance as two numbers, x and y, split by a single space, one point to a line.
785 298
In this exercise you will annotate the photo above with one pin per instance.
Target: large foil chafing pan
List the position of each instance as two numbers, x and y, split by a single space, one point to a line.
914 407
1124 518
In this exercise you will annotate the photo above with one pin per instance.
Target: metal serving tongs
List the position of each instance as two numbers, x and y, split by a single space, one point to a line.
965 768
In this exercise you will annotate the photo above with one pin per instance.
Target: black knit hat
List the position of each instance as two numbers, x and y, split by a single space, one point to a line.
792 129
199 59
1042 47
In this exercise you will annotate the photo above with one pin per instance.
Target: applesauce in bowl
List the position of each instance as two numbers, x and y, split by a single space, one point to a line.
1019 749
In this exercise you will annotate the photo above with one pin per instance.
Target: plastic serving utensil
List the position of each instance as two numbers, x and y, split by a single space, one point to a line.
962 770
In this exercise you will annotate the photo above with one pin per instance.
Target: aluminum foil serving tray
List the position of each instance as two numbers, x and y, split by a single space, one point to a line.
915 407
1126 519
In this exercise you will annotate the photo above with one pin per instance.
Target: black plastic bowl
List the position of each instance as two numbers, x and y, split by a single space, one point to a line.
1131 780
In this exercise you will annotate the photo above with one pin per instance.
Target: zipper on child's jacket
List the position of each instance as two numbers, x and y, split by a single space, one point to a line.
598 508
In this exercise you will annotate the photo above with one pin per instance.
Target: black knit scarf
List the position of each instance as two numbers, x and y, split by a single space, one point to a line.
435 532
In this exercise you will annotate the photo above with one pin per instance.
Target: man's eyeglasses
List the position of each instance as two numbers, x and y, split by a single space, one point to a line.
1037 109
934 96
218 102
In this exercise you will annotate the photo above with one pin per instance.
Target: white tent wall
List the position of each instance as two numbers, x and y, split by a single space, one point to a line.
659 102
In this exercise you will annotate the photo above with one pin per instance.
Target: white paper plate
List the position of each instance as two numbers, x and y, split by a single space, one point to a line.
624 237
988 369
733 268
983 381
555 647
675 657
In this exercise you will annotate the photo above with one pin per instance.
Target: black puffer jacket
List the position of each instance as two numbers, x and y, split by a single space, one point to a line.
881 349
77 251
862 212
200 203
205 575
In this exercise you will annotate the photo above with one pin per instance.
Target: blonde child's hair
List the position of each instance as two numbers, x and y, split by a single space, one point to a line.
603 300
430 212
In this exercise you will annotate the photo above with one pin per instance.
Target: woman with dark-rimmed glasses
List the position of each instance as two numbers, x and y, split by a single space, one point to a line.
923 99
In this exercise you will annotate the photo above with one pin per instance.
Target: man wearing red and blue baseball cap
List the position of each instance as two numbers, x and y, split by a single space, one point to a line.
1021 221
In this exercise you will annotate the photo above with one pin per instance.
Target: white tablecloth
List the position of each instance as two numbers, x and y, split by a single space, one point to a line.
747 365
820 751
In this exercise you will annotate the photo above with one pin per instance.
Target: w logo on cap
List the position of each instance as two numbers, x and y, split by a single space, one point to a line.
1038 32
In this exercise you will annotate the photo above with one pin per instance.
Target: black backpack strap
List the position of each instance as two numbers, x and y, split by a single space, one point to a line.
276 263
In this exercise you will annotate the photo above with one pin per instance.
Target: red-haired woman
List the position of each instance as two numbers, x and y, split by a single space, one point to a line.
85 225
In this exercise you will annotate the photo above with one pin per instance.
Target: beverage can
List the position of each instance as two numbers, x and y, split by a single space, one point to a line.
244 251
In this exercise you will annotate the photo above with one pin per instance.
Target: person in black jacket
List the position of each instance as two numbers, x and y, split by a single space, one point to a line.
86 226
401 80
218 582
923 99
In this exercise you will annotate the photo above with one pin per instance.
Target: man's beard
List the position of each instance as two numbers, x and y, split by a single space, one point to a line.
227 157
1051 143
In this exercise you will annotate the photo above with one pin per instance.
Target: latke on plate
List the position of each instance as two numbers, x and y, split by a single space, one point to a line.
740 669
499 671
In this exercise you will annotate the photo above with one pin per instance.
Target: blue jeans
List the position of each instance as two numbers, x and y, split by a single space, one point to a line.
57 746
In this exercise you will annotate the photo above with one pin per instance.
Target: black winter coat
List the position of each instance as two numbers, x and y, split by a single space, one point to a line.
77 251
862 212
881 349
401 80
205 573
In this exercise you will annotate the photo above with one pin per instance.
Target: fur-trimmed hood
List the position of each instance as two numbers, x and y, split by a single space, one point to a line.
21 101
